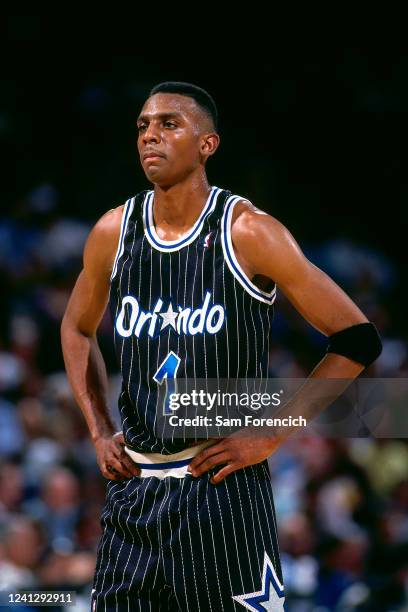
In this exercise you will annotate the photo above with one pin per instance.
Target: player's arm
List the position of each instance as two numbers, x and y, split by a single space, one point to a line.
265 248
83 359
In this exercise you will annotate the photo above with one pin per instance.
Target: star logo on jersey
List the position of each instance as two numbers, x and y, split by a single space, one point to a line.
270 597
169 318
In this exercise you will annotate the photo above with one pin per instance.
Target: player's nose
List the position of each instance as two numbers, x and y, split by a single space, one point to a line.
151 134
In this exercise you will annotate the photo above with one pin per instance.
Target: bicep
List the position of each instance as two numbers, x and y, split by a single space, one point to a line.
319 299
275 253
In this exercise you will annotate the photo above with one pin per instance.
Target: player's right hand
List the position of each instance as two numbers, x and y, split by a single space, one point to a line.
112 459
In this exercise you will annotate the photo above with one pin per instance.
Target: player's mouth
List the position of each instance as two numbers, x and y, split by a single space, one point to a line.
152 156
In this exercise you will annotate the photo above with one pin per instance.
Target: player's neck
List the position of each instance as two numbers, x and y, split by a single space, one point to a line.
180 205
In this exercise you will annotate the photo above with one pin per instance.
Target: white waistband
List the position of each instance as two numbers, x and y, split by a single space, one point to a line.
166 465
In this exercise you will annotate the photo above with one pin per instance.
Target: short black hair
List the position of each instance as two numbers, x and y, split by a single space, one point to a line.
202 97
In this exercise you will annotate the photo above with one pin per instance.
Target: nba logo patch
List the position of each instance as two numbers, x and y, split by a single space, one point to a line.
208 240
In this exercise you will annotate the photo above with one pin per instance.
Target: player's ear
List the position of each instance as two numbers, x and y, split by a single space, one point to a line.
209 144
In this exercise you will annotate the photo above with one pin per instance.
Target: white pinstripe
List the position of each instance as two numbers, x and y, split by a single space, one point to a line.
117 558
159 531
243 522
167 485
253 518
168 333
266 512
137 345
201 540
255 334
185 340
269 491
226 548
233 528
157 443
202 298
131 533
191 547
213 544
181 547
263 340
139 536
192 307
268 333
178 303
247 343
150 542
226 321
104 517
110 548
216 341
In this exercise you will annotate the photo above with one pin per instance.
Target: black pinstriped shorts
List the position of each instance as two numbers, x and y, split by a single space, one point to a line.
186 544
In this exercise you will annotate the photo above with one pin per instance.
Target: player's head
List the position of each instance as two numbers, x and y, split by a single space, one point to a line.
203 100
178 121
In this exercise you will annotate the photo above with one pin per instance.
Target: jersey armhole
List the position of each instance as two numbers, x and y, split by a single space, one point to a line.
230 258
127 211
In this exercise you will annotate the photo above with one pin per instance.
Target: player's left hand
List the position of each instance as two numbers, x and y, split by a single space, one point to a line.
236 452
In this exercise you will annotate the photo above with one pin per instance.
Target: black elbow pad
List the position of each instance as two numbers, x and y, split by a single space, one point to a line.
360 343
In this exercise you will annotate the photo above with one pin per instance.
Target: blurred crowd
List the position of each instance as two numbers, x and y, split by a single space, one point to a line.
342 504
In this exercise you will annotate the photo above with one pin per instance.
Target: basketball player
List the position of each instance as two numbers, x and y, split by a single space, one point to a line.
190 272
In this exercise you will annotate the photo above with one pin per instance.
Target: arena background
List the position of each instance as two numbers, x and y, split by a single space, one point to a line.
316 135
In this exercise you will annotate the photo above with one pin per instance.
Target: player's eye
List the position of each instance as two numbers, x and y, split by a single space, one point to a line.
141 127
169 124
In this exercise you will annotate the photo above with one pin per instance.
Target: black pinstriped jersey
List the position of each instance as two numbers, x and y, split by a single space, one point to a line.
182 309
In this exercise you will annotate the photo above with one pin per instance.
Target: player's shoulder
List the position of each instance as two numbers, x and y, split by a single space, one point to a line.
104 237
107 228
261 241
110 221
249 222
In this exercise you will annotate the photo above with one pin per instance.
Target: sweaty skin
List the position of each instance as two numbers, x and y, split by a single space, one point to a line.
175 140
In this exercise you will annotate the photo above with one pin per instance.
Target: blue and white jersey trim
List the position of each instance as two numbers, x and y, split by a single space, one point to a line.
168 246
230 258
127 211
